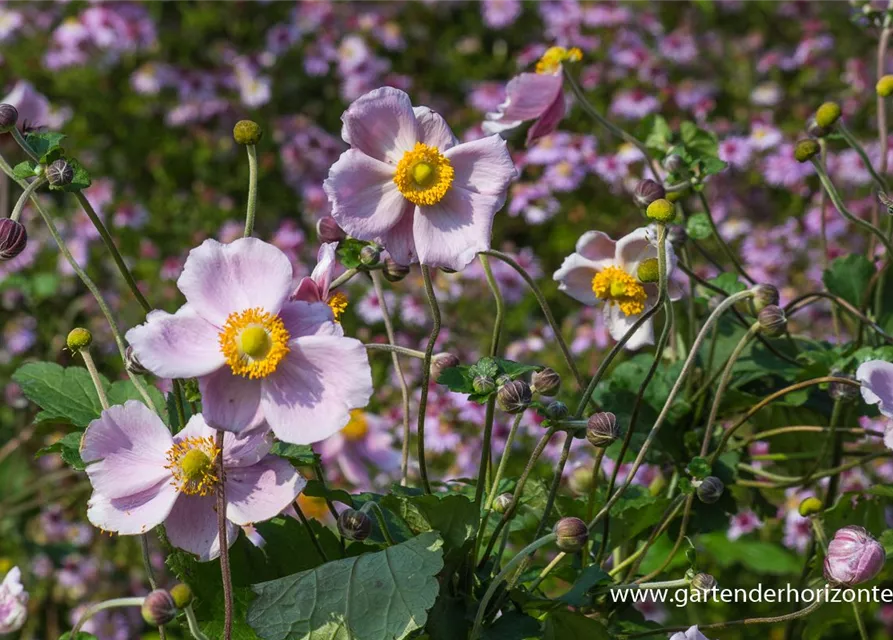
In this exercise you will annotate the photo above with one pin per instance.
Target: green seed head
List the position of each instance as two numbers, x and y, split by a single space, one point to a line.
810 507
648 270
661 210
884 86
182 595
806 150
827 114
79 338
247 132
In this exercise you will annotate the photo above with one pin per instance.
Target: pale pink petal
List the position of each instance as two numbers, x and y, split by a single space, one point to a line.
575 278
528 96
261 491
128 427
596 245
307 319
399 240
483 166
433 129
182 345
192 526
365 199
634 247
619 323
307 291
888 435
548 122
134 514
230 402
310 395
324 271
219 279
876 377
452 232
381 124
246 448
196 427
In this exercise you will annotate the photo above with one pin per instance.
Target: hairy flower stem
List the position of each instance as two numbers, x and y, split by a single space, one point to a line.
823 235
102 606
806 299
503 461
94 376
547 312
26 195
398 367
225 572
785 482
726 249
426 376
343 279
854 144
251 207
395 349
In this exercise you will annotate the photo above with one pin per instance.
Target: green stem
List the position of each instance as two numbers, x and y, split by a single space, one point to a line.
20 140
394 349
851 140
94 376
252 190
102 606
503 461
310 532
382 523
343 279
722 243
191 620
26 194
426 375
225 573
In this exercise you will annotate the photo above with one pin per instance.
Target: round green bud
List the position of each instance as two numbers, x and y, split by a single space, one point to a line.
79 338
810 507
648 270
884 86
502 503
703 582
661 210
806 149
158 608
247 132
182 595
571 534
710 489
827 114
764 295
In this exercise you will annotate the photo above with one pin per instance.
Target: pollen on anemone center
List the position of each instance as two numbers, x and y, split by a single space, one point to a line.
253 342
424 175
616 286
192 464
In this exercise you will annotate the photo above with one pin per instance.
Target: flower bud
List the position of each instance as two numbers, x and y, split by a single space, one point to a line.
580 480
602 429
842 391
370 255
673 162
13 238
572 534
9 115
772 320
394 272
247 132
182 595
79 338
442 361
702 582
557 410
827 115
59 173
132 364
502 502
661 210
159 608
483 384
710 490
514 397
546 382
648 271
354 525
647 191
806 149
854 556
327 230
503 380
810 506
764 295
813 130
884 87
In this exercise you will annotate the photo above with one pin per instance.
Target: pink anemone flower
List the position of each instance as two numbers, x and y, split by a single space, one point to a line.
143 476
258 355
602 270
407 183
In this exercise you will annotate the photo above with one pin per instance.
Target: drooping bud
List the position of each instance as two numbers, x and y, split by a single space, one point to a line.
132 364
247 132
854 556
182 595
79 338
884 86
661 210
59 173
647 191
772 320
810 506
648 271
673 162
354 525
805 150
710 490
827 115
514 397
370 255
394 272
813 130
13 238
9 115
483 384
764 295
546 382
442 361
159 608
557 410
703 582
327 230
502 502
602 429
571 533
842 391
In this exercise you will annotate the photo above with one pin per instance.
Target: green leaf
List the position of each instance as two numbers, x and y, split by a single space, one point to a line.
698 226
486 367
23 170
69 447
561 625
762 558
376 596
81 636
699 467
515 370
456 379
453 515
301 455
121 391
659 135
698 140
64 394
848 277
729 283
349 252
45 145
578 596
513 625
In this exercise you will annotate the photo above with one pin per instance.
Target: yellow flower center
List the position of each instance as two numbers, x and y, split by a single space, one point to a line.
616 286
192 463
313 507
423 175
338 304
554 56
253 342
358 426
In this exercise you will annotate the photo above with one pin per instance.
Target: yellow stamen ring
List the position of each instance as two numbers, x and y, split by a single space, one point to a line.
616 286
253 342
192 463
358 426
338 304
423 175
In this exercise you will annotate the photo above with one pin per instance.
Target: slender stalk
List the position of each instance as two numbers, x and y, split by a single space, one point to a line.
636 586
826 256
546 571
102 606
726 249
382 523
398 367
784 482
426 376
311 534
683 527
860 623
395 349
854 144
225 572
636 558
147 560
30 190
252 190
343 279
20 140
806 299
321 476
503 461
832 439
94 376
191 620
